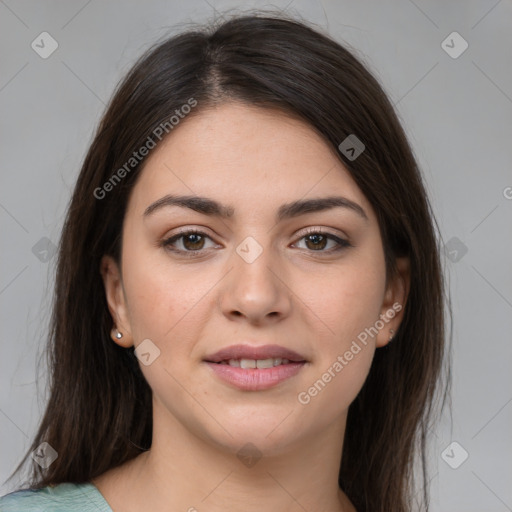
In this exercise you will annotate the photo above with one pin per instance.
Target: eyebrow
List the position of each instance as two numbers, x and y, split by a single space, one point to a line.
213 208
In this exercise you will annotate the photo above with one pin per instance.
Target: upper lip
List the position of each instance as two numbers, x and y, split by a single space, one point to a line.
254 352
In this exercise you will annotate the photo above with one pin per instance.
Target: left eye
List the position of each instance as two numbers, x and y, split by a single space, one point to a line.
318 240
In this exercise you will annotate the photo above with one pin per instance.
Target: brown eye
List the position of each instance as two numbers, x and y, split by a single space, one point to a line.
187 241
193 241
317 241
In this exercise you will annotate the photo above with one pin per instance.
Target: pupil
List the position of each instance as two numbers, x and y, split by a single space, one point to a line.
316 239
193 239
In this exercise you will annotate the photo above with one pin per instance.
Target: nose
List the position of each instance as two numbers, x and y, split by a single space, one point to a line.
255 290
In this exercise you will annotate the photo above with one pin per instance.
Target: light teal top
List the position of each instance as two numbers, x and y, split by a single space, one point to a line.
65 497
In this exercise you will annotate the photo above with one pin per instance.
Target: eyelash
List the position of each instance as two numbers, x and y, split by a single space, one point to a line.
167 243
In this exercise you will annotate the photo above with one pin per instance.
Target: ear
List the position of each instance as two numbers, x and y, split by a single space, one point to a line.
393 305
116 300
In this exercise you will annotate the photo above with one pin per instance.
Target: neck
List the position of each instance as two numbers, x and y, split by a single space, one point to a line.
183 471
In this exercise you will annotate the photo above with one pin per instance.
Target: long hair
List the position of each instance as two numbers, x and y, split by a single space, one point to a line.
99 411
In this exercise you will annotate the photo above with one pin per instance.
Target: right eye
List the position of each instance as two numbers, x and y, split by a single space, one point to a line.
191 241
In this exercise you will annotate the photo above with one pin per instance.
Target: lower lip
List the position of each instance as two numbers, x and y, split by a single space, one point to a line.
255 379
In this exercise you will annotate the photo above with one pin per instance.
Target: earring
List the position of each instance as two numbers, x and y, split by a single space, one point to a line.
391 332
118 335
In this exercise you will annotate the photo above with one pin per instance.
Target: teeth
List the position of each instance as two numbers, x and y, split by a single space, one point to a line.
265 363
256 363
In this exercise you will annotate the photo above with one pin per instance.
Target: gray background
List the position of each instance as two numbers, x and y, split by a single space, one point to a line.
457 112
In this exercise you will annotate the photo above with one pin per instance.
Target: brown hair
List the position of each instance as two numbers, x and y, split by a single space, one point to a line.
99 412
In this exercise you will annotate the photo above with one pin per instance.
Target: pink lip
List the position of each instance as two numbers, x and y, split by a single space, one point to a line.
254 352
255 379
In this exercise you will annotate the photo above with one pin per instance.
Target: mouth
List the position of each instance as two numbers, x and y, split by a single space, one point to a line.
257 363
250 356
253 368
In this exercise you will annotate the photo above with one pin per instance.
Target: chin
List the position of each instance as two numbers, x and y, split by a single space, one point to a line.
270 436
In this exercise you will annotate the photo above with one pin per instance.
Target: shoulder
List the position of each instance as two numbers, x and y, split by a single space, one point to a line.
64 497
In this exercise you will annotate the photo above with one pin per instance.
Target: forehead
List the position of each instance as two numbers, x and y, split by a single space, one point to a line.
244 155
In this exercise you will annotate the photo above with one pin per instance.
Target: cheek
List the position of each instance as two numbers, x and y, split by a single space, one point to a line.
348 301
165 300
344 299
154 297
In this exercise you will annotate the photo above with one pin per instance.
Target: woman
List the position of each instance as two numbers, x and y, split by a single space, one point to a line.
249 306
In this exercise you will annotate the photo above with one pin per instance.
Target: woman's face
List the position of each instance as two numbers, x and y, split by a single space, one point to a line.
269 272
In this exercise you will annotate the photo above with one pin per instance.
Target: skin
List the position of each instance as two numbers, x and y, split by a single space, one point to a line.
254 160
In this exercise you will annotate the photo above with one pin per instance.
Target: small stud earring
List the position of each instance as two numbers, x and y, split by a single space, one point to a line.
118 335
391 332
